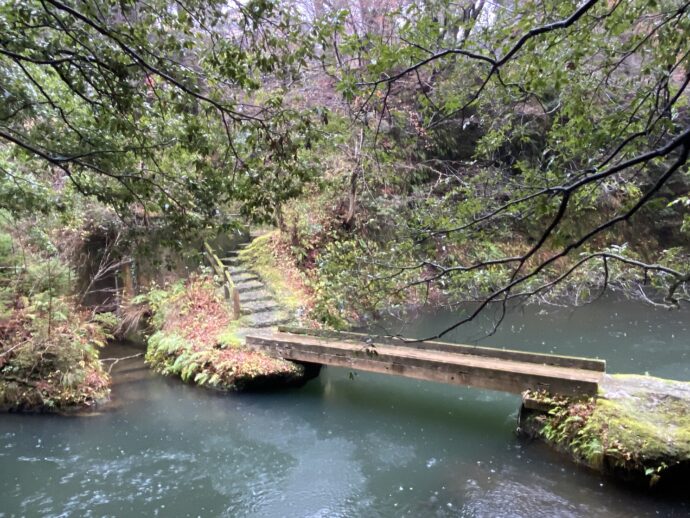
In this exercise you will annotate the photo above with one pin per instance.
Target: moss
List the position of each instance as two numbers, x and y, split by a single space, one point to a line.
644 423
260 256
638 427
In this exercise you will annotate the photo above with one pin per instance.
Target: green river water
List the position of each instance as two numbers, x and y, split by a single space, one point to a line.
342 446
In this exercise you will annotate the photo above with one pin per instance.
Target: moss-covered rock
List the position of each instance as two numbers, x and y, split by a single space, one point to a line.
637 428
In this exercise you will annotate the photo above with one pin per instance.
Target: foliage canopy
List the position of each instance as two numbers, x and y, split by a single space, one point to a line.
537 132
150 107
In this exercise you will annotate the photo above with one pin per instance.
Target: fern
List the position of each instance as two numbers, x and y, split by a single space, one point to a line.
201 378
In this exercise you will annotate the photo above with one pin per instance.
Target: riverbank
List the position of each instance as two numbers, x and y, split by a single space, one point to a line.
194 337
49 343
636 429
53 369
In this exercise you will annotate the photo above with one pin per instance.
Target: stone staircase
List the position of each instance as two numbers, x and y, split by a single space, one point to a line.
258 307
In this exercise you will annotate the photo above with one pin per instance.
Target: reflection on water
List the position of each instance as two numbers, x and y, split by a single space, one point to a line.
372 446
632 337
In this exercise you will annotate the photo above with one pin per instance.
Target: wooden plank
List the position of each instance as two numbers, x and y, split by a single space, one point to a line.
362 350
458 369
475 350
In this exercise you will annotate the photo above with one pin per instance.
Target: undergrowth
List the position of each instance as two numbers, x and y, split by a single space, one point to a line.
195 339
48 348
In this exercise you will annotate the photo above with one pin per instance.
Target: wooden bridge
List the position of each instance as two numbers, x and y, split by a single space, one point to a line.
482 367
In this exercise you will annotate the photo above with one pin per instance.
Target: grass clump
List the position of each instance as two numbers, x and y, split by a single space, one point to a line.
196 339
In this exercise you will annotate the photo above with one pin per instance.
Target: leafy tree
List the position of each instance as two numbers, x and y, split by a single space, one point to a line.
582 127
150 107
511 141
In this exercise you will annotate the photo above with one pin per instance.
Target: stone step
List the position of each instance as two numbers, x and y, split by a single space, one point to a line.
235 251
254 233
243 277
245 286
231 261
248 307
255 296
237 270
267 319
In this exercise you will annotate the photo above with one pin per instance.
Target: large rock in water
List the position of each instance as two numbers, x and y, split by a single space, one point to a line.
637 428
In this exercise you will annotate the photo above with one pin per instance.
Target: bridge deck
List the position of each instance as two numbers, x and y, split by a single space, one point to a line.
506 373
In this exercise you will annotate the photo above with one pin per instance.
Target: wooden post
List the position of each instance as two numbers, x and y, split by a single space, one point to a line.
235 304
127 282
229 291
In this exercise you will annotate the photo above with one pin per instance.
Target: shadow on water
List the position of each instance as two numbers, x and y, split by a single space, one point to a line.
418 401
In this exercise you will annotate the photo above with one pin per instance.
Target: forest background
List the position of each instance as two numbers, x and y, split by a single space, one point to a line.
408 154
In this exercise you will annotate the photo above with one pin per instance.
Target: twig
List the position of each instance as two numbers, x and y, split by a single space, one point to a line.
116 360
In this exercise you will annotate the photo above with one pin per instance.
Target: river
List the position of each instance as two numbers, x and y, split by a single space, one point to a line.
353 446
